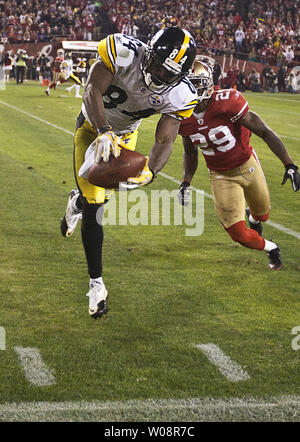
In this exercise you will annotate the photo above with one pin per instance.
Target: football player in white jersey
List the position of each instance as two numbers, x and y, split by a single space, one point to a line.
129 82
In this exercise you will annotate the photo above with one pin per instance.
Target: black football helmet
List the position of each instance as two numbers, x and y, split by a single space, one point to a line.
168 59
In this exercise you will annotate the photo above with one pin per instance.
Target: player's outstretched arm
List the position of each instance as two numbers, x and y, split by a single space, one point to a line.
190 165
166 132
256 125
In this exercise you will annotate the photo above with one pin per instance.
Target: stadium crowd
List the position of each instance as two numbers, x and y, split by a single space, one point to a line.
267 31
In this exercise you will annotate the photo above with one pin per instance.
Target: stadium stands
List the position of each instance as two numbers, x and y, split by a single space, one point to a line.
265 31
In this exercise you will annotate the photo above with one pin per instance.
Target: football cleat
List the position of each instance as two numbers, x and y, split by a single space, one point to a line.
275 261
257 226
98 300
47 92
69 221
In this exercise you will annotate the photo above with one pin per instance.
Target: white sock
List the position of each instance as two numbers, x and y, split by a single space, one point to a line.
99 280
252 220
270 245
77 87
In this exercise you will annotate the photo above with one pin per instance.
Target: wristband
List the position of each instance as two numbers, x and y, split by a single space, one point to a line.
104 129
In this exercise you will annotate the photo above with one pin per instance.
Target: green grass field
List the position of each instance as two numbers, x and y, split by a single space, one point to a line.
167 292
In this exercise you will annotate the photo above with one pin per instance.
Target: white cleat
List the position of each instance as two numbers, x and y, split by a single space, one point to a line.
98 299
73 215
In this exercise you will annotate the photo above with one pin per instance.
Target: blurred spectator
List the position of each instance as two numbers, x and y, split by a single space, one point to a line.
21 63
43 67
266 77
273 81
241 82
216 73
255 81
7 66
239 36
282 78
289 56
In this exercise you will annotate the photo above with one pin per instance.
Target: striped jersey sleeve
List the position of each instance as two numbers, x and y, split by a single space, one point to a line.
187 111
238 106
107 52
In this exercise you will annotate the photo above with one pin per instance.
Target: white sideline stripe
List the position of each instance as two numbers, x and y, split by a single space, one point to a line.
35 369
176 181
208 195
37 118
168 177
272 408
283 229
276 98
230 369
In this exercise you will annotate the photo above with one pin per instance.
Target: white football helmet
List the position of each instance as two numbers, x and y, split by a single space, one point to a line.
60 52
202 78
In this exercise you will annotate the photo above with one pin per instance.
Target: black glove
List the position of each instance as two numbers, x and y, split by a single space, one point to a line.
291 172
184 193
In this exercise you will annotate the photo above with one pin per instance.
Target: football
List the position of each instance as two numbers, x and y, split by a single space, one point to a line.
116 170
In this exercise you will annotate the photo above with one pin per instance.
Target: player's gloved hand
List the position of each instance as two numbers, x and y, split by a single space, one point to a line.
145 177
107 143
291 172
184 193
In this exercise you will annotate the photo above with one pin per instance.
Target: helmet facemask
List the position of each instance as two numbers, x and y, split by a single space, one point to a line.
202 79
167 59
158 76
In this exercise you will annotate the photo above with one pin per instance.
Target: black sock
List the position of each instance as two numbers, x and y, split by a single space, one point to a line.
92 238
78 203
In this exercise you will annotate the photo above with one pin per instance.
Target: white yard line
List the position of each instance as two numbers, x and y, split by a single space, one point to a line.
297 101
37 118
2 338
284 408
164 175
36 371
230 369
208 195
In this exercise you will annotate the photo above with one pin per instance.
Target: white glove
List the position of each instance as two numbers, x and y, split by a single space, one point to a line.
106 144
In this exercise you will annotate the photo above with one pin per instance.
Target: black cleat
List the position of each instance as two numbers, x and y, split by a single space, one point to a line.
275 261
257 226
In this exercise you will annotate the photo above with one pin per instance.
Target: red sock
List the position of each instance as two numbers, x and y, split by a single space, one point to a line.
247 237
262 218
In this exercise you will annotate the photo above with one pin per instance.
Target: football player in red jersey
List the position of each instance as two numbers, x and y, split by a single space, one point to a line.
221 126
56 70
